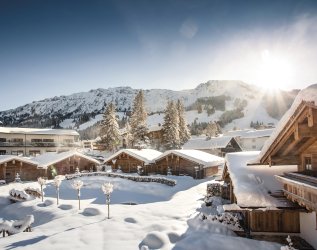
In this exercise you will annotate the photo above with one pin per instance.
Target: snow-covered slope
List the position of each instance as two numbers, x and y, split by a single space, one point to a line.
80 108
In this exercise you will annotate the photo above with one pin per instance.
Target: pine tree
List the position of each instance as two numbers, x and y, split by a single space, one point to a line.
128 137
109 131
138 122
212 130
171 127
184 133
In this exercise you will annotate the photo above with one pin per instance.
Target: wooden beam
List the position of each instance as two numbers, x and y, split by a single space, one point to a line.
290 147
307 144
305 131
285 160
310 117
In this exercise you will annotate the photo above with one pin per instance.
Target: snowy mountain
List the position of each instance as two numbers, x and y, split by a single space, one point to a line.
208 101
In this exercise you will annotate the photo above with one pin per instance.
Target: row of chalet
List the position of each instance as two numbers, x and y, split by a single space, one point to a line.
46 165
275 190
194 163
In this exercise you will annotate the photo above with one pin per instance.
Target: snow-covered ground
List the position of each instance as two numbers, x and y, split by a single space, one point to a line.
165 218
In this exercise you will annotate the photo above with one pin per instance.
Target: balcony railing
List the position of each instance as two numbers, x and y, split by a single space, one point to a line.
39 144
301 188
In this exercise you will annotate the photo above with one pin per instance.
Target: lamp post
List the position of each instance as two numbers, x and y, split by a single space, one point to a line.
77 184
57 183
107 189
42 183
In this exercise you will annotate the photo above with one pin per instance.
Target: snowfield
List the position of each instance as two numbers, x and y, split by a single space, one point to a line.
164 218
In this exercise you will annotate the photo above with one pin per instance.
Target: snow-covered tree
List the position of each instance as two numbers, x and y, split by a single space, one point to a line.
109 131
184 134
128 136
212 130
138 122
170 126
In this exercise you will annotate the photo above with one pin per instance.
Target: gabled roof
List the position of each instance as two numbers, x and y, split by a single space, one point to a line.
51 158
145 155
40 131
258 133
197 156
202 142
306 99
7 158
253 184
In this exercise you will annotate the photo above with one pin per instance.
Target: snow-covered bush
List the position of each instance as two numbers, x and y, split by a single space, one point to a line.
161 180
227 219
18 195
35 192
214 189
290 244
14 227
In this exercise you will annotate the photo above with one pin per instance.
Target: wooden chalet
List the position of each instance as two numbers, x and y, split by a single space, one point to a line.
128 160
295 143
10 165
219 146
65 163
195 163
256 195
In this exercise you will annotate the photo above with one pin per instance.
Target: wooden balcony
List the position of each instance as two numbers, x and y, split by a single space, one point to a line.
300 187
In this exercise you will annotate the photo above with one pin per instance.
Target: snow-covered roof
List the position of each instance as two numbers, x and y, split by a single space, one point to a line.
154 128
48 159
257 133
238 133
308 95
202 142
203 158
252 184
145 155
7 158
40 131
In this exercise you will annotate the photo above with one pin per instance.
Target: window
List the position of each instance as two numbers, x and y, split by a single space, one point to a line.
307 162
68 140
3 152
3 139
34 152
36 140
48 140
17 152
16 140
253 147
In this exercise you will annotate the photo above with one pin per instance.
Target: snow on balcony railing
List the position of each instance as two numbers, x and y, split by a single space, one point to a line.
161 180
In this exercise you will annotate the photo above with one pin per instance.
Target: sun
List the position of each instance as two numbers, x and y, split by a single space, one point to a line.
274 71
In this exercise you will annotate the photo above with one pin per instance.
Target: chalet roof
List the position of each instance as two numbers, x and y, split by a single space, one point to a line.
154 128
145 155
254 184
306 97
238 133
7 158
257 133
202 142
48 159
39 131
200 157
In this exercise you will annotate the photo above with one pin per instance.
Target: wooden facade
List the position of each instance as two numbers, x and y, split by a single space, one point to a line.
296 144
27 171
69 165
126 162
179 165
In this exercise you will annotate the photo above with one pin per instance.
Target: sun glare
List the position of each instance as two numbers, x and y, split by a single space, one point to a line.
274 71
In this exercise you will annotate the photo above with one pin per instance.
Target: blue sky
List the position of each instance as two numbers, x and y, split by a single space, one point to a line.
55 47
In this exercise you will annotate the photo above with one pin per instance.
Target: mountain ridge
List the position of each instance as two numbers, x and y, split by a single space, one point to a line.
84 106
